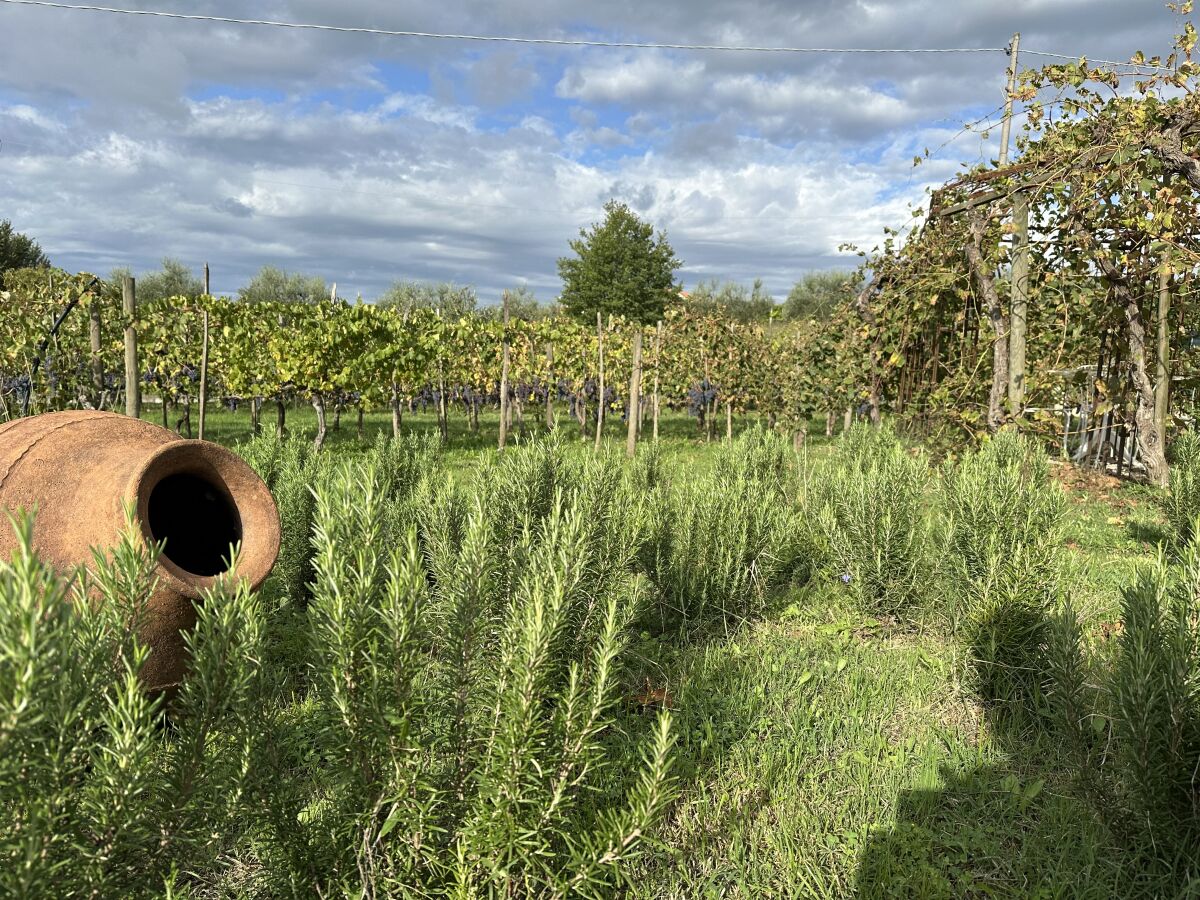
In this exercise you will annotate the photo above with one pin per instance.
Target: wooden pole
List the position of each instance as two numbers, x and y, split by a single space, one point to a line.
600 396
550 387
207 289
133 386
1020 305
635 393
443 411
658 333
318 403
442 414
203 369
1162 384
1006 128
94 341
504 377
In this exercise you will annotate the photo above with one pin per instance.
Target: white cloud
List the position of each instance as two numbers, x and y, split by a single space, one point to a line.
31 116
368 159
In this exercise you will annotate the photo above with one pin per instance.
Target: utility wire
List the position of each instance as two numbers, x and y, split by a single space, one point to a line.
563 42
560 42
1102 62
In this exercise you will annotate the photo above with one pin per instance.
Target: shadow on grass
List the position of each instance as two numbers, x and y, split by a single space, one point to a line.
1148 532
995 831
718 710
1022 826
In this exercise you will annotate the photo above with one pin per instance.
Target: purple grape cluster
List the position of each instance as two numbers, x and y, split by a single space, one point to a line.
700 397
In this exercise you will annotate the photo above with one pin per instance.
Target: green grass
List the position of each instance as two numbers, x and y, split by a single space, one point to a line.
825 753
683 442
1111 531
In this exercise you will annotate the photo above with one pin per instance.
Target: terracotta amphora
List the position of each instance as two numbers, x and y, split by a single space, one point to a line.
78 472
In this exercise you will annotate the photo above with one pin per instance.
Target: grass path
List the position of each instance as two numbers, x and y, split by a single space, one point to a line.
824 754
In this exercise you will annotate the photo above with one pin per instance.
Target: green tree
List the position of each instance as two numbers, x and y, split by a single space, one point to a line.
272 285
174 279
732 301
522 304
817 294
620 268
18 251
452 300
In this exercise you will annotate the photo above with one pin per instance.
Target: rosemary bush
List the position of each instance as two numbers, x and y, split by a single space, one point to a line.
456 719
1002 536
290 468
648 470
1181 502
459 678
1154 691
715 544
868 503
101 795
1132 715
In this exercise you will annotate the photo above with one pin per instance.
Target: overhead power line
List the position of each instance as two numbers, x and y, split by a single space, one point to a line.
558 42
505 39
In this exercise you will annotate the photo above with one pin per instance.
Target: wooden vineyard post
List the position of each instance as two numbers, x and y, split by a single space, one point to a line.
728 420
280 406
550 387
600 395
443 424
133 387
1006 128
94 343
504 378
207 291
1162 382
1020 305
442 411
203 370
635 393
658 330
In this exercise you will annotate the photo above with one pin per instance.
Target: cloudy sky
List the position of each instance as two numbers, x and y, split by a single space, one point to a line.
367 159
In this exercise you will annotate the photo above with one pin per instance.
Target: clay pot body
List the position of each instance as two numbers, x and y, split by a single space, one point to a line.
78 471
